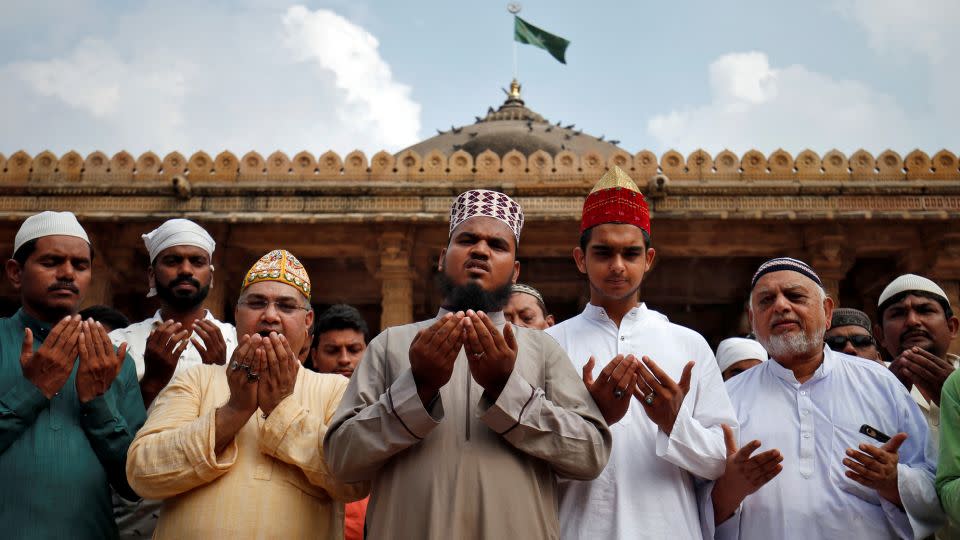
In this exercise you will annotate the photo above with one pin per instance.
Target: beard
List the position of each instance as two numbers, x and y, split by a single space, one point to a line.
472 296
794 344
182 301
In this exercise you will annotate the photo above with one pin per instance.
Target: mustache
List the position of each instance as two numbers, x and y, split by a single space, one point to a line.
64 286
184 279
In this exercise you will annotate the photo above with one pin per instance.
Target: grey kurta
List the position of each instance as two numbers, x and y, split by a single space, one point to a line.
470 467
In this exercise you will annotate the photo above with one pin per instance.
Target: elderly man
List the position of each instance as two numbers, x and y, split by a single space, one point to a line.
672 435
180 275
463 422
236 452
69 402
339 339
182 333
736 355
527 309
849 333
856 455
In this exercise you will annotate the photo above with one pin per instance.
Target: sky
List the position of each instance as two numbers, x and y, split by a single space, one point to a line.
265 75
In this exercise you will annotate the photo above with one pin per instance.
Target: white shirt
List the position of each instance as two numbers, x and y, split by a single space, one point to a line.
136 336
812 424
647 489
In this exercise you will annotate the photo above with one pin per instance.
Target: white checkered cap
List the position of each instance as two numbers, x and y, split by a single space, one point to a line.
911 282
49 224
483 202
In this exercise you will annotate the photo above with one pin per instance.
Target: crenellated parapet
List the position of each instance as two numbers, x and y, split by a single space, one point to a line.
20 168
409 186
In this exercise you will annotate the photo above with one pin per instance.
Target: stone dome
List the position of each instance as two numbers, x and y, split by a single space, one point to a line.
514 127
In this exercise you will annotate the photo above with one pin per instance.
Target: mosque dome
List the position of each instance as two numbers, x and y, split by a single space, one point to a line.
514 126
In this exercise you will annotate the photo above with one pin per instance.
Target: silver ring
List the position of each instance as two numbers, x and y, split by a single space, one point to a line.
648 399
618 393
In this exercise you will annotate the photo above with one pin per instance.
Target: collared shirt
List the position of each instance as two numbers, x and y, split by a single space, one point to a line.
136 336
813 424
647 488
59 457
472 466
272 481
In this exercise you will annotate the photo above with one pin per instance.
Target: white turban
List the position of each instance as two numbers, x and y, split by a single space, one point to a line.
48 224
911 282
177 232
732 350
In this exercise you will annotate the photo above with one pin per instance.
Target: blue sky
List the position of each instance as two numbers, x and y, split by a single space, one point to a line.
270 74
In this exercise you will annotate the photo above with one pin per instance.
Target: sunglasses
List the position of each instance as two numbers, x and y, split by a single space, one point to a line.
859 341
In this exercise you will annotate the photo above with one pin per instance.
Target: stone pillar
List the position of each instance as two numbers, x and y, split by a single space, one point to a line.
396 279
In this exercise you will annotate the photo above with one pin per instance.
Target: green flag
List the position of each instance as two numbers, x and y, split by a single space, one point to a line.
525 32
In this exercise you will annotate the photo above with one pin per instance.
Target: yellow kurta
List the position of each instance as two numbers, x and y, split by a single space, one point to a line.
271 482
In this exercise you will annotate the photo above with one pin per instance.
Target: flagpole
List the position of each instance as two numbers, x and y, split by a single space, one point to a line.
514 8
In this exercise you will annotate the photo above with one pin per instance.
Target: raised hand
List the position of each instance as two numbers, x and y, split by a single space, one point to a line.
743 474
611 392
433 354
278 377
211 345
490 354
49 367
660 395
99 362
164 346
877 467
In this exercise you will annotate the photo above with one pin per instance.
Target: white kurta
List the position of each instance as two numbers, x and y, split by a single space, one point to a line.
812 424
136 336
647 489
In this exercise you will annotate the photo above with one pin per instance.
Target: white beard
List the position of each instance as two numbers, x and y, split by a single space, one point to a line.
794 344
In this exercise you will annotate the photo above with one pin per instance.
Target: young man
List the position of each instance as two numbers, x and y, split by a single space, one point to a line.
672 435
855 450
236 452
69 402
339 339
463 422
527 309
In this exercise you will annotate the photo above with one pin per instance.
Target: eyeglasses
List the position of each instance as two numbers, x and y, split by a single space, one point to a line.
859 341
287 307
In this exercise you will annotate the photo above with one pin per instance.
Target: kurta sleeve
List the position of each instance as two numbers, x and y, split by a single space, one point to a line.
948 470
558 423
176 449
20 404
294 435
375 421
696 442
111 421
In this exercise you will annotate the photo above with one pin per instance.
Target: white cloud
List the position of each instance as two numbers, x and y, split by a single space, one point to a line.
755 105
176 75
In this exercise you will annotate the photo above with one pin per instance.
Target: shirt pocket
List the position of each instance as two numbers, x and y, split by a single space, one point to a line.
845 437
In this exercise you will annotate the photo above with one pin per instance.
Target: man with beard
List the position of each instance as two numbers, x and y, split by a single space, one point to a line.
856 456
181 334
69 402
236 453
673 435
527 309
463 422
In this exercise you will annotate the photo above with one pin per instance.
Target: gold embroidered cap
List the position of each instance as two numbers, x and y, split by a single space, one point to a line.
279 265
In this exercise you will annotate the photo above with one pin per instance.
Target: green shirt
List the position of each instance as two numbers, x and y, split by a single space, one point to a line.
58 457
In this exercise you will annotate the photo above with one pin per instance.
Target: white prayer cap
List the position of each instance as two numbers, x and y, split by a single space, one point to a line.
911 282
49 224
732 350
178 232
